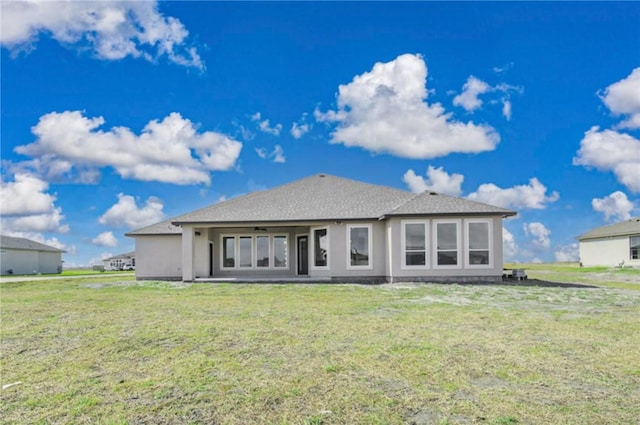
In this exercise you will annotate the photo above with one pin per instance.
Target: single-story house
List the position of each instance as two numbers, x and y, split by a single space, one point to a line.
24 256
121 262
612 245
327 228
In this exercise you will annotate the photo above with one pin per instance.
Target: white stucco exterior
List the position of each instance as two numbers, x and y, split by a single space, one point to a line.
609 251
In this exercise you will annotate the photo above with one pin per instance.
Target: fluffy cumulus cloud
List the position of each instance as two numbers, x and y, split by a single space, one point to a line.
567 253
112 30
509 246
265 125
277 155
126 213
623 99
530 196
385 110
539 233
105 239
608 150
438 180
469 99
169 151
26 208
615 207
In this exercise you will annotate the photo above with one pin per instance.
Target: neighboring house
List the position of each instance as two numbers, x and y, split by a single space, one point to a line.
121 262
613 245
24 256
327 228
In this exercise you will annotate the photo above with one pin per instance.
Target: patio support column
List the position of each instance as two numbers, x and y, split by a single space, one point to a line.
187 253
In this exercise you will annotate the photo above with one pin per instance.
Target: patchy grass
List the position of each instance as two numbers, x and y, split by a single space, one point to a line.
116 352
612 277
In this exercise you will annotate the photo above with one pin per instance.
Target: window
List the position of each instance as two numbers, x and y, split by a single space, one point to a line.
228 251
254 251
359 243
447 241
262 251
280 251
634 245
414 241
479 243
320 247
245 254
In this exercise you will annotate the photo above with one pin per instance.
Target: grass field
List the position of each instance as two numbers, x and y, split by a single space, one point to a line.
120 352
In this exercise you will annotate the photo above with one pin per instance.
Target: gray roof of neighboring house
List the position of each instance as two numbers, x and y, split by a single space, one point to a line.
122 256
10 242
324 197
624 228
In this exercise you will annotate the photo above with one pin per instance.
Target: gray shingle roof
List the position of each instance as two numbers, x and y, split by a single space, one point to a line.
162 228
323 197
121 256
436 203
624 228
10 242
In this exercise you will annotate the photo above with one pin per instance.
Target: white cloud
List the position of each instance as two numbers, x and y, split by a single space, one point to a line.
531 196
384 110
609 150
112 30
438 180
540 234
299 130
162 152
105 239
506 109
125 213
277 155
567 253
469 99
26 208
615 206
623 98
25 196
265 125
509 246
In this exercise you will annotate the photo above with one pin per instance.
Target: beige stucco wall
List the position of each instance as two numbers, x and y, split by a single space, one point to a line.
158 257
606 252
30 262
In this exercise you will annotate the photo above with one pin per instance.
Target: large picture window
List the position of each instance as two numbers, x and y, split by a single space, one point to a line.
447 241
359 243
478 243
320 248
634 248
254 251
414 241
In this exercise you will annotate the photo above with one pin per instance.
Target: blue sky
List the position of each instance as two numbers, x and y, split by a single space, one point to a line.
119 115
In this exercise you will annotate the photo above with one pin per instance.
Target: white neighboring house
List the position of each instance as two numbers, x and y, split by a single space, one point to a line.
327 228
24 256
121 262
613 245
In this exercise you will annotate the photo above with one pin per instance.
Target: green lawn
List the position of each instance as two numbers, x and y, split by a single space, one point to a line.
115 352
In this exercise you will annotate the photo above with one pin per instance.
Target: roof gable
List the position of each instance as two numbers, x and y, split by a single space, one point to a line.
10 242
436 203
623 228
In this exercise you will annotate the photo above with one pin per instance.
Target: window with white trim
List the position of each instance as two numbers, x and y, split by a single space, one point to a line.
415 236
359 243
321 247
263 251
447 243
280 251
634 247
478 236
254 251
